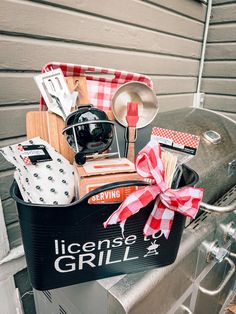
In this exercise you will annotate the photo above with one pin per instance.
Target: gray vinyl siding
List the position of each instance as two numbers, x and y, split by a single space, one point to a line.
160 38
219 75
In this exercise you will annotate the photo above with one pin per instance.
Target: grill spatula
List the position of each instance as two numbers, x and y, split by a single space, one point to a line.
132 119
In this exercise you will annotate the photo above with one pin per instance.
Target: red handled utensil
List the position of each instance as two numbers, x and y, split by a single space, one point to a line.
132 118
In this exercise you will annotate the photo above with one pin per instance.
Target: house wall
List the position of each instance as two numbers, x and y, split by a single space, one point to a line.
160 38
219 75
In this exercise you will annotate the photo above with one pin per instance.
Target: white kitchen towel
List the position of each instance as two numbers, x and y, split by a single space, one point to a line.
47 182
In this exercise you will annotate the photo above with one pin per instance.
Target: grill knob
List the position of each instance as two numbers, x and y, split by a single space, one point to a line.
219 254
215 252
230 232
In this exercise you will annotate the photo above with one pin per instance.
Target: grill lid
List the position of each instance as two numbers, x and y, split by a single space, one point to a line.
215 161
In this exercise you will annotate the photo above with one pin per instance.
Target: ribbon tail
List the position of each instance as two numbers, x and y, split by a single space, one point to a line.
160 219
122 227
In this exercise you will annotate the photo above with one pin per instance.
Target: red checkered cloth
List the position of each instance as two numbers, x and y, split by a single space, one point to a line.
100 89
26 159
185 200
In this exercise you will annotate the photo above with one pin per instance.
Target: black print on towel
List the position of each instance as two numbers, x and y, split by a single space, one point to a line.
36 153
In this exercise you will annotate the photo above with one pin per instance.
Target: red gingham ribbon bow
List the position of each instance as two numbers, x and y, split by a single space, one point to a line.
184 200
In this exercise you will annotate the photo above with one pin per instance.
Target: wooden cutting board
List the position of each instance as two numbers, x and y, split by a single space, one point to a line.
49 127
79 84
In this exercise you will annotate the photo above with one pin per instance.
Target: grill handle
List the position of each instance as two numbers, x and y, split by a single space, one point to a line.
231 254
186 309
218 209
224 282
219 254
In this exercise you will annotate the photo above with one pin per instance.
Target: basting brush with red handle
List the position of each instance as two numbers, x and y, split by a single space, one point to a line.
132 118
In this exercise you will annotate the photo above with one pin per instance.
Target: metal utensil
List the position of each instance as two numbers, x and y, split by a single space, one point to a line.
135 92
59 106
55 92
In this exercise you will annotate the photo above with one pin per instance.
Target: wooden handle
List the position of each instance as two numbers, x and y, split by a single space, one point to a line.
131 143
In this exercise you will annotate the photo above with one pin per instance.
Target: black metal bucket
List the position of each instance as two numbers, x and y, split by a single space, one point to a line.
66 245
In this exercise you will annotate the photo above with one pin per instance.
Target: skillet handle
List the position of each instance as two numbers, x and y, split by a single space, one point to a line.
111 186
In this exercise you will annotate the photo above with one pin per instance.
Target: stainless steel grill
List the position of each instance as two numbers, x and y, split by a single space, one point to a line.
202 279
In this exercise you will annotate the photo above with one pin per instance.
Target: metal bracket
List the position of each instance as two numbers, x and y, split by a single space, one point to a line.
198 100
